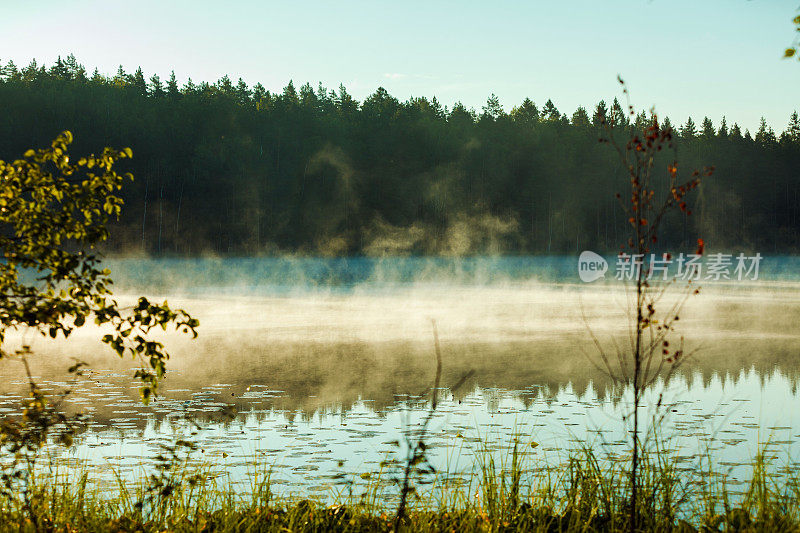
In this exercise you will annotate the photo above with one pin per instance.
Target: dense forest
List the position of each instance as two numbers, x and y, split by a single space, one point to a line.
227 168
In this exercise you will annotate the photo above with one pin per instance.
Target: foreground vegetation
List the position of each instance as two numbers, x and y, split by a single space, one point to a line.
582 494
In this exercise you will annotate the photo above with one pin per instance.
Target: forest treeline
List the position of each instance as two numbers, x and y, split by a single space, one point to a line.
230 168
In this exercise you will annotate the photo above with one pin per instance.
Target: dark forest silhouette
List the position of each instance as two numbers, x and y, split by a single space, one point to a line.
233 169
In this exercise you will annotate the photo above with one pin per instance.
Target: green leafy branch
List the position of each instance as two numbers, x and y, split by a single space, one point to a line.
53 214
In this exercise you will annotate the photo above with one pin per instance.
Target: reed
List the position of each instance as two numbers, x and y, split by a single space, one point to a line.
510 490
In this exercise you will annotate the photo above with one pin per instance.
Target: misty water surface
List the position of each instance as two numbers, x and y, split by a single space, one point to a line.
316 366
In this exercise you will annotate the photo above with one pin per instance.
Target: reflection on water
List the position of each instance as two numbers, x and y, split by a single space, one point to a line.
727 418
320 383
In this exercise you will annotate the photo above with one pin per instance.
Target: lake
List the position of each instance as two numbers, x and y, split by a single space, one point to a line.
319 367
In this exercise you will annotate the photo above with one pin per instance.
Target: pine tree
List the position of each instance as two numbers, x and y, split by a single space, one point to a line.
59 70
526 113
138 82
641 122
381 104
723 128
794 128
308 98
121 78
414 107
225 85
260 96
10 72
344 102
98 78
765 134
492 110
242 92
73 67
736 132
189 88
580 118
156 89
206 89
31 72
600 113
80 74
618 116
172 86
322 92
689 130
707 129
550 113
438 111
289 97
460 115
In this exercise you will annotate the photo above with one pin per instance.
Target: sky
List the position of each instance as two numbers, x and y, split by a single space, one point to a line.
683 57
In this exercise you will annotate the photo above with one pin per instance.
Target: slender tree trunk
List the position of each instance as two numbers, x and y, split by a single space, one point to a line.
178 214
637 378
160 214
144 213
549 222
597 222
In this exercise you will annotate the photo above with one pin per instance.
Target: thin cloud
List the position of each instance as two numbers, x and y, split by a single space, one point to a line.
400 76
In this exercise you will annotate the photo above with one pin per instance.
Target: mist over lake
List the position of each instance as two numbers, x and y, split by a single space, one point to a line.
308 362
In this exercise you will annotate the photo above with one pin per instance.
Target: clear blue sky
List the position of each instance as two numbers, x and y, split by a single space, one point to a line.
698 57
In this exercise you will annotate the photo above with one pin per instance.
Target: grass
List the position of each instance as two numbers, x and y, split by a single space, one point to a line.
583 493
